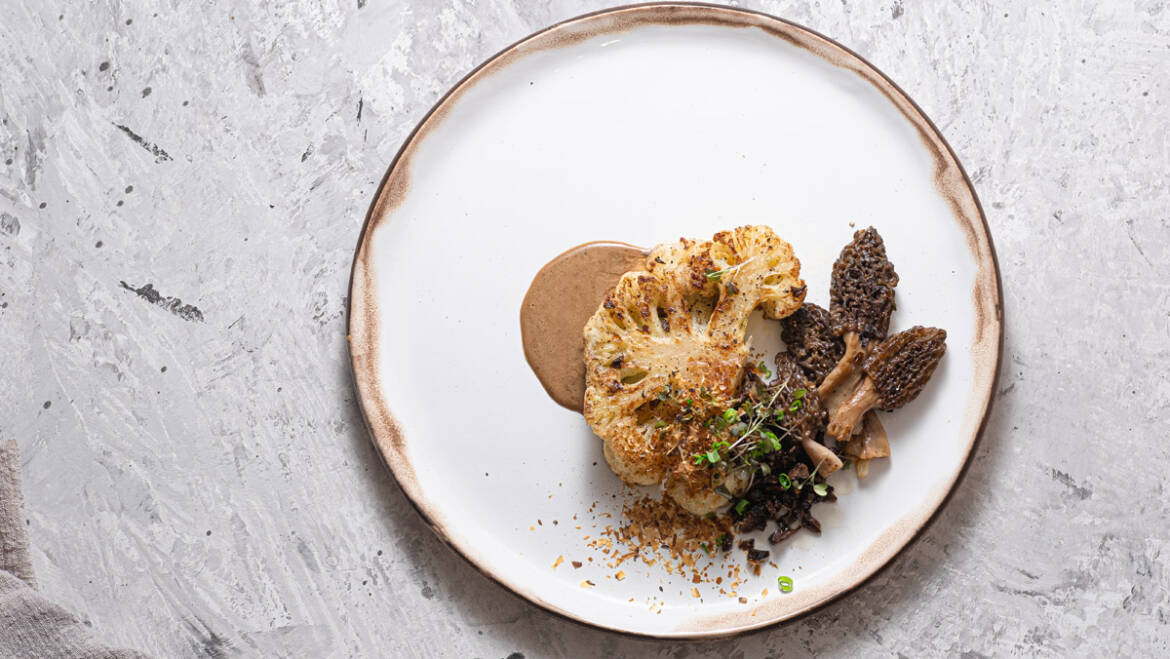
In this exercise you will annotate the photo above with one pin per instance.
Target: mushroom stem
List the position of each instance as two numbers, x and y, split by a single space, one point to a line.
847 416
869 443
842 372
821 455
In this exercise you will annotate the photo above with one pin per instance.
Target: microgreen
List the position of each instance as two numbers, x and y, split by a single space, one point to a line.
821 489
811 476
714 275
773 441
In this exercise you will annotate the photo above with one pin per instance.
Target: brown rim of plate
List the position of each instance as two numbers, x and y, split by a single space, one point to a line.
951 181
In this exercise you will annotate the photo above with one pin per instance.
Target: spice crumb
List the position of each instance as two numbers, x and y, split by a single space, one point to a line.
587 584
695 592
620 575
560 559
576 565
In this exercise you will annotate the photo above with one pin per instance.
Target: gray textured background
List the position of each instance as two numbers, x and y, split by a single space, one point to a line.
199 480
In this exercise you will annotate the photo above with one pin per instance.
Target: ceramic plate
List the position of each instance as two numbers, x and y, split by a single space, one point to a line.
641 125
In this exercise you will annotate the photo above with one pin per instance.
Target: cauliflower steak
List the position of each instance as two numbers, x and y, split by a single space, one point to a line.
666 351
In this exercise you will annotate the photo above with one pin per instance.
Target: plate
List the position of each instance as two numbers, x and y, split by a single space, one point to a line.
642 124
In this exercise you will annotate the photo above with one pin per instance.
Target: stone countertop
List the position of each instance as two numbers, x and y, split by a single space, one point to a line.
181 190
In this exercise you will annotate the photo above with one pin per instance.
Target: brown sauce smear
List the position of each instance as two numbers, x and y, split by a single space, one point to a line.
561 299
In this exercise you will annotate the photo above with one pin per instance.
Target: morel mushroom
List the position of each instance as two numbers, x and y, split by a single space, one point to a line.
810 341
813 346
896 370
804 416
861 296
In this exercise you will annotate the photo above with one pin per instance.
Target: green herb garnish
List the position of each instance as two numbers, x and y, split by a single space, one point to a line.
821 489
811 476
741 506
773 441
784 480
785 584
714 275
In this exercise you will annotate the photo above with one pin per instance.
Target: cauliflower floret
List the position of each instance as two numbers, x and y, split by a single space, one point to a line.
666 350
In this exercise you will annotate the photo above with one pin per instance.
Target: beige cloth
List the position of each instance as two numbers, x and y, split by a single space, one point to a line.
31 626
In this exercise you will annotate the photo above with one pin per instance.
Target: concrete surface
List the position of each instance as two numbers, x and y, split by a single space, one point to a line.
181 189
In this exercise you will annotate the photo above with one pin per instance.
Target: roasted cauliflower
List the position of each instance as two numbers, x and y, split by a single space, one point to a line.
666 351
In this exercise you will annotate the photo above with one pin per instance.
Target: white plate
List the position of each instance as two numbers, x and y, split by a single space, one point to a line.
644 124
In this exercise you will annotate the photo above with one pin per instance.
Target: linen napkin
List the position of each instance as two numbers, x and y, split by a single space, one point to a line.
31 626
